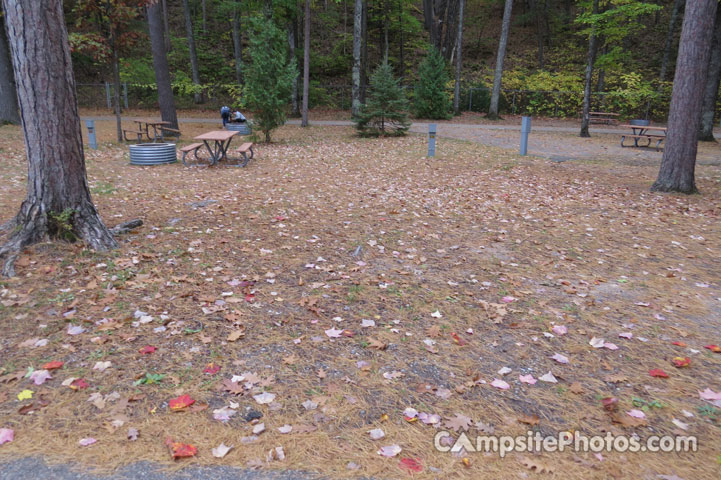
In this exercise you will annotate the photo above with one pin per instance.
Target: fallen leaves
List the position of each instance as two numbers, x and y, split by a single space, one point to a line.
39 377
500 384
221 450
681 362
180 450
211 368
180 402
264 398
458 422
7 435
390 450
147 350
657 372
55 364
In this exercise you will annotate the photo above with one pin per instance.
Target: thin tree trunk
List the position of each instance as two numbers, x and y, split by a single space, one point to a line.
539 32
590 60
57 180
160 64
364 51
679 155
669 38
195 73
8 95
459 63
306 63
116 93
357 37
713 80
237 46
205 16
166 27
385 31
294 106
498 76
401 42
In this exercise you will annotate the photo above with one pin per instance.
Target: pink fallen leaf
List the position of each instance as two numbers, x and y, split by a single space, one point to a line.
412 464
636 413
709 394
87 441
334 333
285 429
264 397
508 299
527 379
610 346
7 435
559 330
560 358
500 384
429 418
75 329
548 378
376 434
627 335
390 450
39 376
597 342
221 450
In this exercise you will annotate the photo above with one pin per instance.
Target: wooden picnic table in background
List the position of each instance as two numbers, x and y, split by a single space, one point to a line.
144 125
221 141
641 131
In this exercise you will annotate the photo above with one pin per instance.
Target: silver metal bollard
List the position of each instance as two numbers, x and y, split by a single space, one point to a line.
432 140
91 134
525 130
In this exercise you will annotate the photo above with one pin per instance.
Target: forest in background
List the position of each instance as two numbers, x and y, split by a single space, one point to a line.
543 71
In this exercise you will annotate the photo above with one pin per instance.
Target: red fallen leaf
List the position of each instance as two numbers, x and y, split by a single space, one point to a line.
181 402
53 365
609 403
412 464
657 372
79 384
211 368
348 333
679 344
457 339
713 348
249 298
180 450
147 350
681 362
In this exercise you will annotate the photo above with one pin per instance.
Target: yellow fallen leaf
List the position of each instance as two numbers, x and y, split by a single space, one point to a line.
25 395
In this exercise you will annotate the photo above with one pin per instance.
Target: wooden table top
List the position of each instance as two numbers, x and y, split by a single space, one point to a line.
217 135
645 127
150 121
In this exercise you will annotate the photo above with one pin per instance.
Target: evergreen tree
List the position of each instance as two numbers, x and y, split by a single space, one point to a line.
431 99
269 78
386 110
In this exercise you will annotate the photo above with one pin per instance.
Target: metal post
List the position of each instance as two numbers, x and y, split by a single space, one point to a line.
107 95
125 94
91 134
432 140
525 130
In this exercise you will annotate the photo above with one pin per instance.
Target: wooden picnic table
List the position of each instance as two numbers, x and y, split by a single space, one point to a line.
144 125
642 131
607 118
220 140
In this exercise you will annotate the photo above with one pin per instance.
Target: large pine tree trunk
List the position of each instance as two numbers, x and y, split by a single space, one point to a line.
57 179
8 96
195 73
357 37
713 79
306 63
166 26
459 64
679 155
590 60
160 64
498 76
237 46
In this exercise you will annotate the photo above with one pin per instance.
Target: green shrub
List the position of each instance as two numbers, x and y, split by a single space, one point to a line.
432 99
385 111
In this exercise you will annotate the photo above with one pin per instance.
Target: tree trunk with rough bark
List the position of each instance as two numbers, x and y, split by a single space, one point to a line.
8 95
306 63
294 104
590 60
713 79
58 202
116 90
237 46
364 51
357 38
459 63
160 64
194 71
679 155
498 76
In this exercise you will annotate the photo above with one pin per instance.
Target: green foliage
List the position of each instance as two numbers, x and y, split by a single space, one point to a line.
385 111
60 225
432 99
269 77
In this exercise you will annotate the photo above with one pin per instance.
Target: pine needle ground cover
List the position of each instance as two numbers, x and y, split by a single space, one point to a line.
341 297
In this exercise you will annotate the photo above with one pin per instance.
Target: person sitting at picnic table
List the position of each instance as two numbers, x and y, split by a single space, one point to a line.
238 117
225 114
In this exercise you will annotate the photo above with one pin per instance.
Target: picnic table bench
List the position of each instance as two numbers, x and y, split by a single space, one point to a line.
606 118
641 132
143 130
